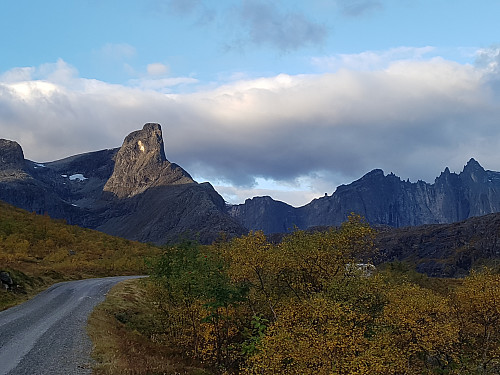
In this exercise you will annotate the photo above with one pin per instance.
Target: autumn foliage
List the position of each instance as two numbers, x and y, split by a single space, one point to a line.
38 251
305 306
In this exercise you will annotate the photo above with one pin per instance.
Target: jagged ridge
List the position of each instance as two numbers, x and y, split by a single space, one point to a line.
384 199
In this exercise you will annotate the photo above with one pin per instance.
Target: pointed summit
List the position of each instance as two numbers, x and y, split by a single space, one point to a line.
141 164
472 163
474 171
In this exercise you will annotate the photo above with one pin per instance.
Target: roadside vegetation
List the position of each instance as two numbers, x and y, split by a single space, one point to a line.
303 306
37 251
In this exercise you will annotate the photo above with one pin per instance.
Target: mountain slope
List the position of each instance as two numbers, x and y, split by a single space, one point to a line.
448 250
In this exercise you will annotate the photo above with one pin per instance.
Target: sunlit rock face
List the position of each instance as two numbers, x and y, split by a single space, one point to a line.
141 164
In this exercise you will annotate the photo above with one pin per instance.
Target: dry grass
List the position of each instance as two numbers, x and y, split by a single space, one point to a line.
121 329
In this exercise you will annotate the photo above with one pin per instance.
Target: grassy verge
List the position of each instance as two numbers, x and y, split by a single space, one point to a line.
122 330
25 287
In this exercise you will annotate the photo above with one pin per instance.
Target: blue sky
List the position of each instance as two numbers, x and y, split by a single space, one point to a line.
281 98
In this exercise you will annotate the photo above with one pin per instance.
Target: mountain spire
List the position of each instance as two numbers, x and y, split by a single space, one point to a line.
141 164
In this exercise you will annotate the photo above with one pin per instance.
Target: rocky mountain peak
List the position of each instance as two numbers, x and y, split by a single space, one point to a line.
146 142
473 164
141 164
11 155
473 171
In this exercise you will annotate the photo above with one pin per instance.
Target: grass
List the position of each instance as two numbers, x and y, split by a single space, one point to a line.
122 330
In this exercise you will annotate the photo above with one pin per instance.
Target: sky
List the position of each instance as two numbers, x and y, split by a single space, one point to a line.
285 98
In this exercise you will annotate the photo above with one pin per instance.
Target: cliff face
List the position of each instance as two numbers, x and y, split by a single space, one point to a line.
386 199
132 192
19 187
140 164
11 156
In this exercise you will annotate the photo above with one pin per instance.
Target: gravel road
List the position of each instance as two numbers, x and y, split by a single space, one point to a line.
46 335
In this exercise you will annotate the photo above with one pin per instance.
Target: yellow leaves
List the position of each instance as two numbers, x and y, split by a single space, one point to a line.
315 336
250 257
476 304
478 299
419 323
321 320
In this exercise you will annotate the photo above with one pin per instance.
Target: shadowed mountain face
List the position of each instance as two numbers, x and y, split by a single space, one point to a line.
444 250
384 199
133 192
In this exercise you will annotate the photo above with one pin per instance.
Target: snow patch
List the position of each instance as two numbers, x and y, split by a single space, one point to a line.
77 176
64 175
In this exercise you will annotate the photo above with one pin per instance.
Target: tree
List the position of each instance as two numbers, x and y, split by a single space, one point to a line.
476 304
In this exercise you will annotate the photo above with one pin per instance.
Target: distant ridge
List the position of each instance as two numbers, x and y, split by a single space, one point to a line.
383 200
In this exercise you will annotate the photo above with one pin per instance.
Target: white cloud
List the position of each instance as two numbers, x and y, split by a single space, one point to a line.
371 60
157 69
163 85
295 198
413 118
18 74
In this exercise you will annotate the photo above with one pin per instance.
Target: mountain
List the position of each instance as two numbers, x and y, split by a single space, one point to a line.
132 191
383 199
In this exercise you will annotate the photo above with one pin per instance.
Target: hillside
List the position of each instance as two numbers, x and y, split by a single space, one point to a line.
36 251
444 250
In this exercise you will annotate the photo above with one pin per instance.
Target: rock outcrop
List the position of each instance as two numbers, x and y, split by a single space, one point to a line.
132 191
387 200
140 164
11 156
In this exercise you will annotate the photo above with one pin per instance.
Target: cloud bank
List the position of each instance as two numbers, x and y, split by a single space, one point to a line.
305 132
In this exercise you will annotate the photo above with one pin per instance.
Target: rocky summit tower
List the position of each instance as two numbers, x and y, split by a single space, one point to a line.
140 164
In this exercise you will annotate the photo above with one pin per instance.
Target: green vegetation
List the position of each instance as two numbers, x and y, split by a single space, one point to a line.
38 251
251 307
